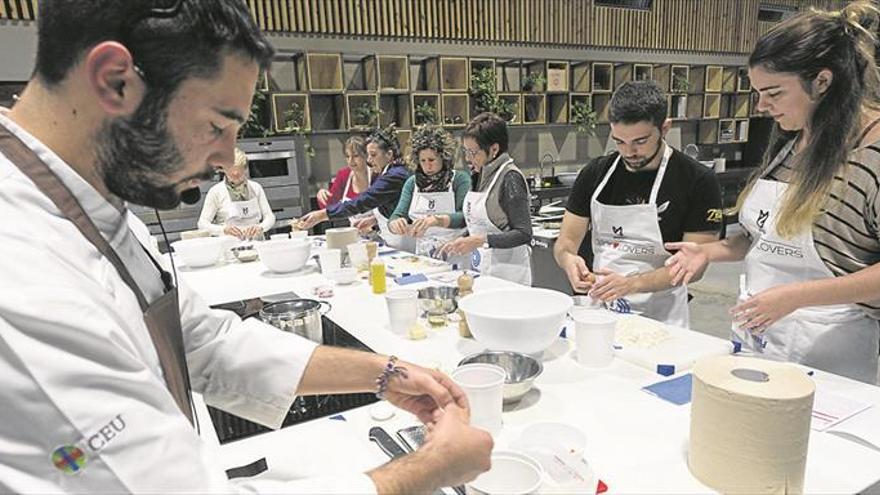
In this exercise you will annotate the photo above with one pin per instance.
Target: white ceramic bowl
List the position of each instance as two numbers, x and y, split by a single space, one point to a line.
522 319
512 473
199 251
343 276
284 255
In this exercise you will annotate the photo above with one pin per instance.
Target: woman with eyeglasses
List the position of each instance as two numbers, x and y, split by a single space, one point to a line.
496 210
430 204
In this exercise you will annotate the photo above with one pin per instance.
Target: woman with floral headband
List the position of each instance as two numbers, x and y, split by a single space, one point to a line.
430 204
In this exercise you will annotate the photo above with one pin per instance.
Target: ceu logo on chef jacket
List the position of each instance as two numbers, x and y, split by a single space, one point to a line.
432 204
69 459
762 219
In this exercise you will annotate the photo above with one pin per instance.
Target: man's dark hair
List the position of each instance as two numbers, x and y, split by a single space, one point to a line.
488 129
638 101
170 40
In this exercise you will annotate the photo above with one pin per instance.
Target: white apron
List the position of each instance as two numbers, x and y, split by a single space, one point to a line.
424 204
400 242
355 218
626 239
512 264
243 213
840 338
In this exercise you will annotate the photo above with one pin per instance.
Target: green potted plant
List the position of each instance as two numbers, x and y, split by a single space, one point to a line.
426 114
365 115
294 124
483 92
680 83
534 82
254 126
583 117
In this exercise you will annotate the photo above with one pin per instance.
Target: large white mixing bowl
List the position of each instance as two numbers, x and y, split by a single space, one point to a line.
285 255
199 251
522 319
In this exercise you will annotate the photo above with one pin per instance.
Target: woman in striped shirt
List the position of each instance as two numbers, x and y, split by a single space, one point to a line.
811 214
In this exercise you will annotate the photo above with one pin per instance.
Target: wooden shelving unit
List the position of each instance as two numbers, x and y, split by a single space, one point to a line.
354 102
477 64
697 80
660 73
711 106
455 108
679 79
508 75
707 132
729 80
714 79
424 74
622 73
534 108
695 106
601 104
603 77
393 72
359 72
419 99
287 74
678 106
742 130
580 77
516 100
726 131
282 103
395 109
557 77
531 67
741 105
642 72
558 108
324 72
743 83
454 74
327 112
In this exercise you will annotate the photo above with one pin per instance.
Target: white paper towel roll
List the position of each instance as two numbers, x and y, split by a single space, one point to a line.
750 425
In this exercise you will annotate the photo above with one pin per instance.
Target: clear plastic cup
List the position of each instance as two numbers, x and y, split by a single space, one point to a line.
403 310
594 336
357 253
330 260
484 386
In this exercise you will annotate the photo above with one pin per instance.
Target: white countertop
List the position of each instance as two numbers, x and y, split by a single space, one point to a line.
636 443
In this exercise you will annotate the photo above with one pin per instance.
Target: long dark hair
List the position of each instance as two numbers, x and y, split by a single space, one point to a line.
843 43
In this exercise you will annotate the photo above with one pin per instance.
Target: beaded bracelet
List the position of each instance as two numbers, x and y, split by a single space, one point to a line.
390 370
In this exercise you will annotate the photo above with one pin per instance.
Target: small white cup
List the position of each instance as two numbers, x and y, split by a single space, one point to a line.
403 310
594 336
357 253
331 260
484 386
274 237
299 234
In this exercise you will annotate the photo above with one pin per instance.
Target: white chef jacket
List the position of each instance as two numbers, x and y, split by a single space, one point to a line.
80 373
217 202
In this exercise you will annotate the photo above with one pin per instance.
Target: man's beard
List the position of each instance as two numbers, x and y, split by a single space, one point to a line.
137 154
641 164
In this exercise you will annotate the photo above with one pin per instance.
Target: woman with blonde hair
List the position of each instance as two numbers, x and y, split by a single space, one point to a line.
811 214
237 206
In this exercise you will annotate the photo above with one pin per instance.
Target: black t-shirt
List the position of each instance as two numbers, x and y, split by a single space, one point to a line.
689 199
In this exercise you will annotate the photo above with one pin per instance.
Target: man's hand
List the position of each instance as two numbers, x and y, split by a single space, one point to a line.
398 226
323 196
765 308
365 225
578 274
611 285
688 263
311 219
422 391
253 232
462 245
420 226
233 230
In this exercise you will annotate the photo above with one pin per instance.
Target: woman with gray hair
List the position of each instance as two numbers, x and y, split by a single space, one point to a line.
430 202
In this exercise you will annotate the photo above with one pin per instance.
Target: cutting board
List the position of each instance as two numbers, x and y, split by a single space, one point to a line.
400 263
676 353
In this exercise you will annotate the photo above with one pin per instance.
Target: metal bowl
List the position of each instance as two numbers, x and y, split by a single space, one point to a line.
438 300
521 370
245 254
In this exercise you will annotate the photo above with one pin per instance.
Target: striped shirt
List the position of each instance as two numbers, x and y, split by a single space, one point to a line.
847 231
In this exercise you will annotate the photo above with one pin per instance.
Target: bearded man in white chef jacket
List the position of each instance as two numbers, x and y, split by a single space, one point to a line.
137 101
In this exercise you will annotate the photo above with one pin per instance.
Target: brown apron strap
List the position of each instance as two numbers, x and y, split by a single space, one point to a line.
167 342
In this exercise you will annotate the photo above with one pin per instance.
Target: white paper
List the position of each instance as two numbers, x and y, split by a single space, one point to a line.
830 409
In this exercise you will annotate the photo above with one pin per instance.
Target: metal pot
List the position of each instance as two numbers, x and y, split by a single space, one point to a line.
300 316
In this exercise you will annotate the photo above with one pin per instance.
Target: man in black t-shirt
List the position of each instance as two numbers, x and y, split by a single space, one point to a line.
648 194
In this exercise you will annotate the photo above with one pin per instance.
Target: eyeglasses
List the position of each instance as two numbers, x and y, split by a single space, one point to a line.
160 9
470 153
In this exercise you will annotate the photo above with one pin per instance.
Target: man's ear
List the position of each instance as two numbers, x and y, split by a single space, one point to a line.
664 129
113 79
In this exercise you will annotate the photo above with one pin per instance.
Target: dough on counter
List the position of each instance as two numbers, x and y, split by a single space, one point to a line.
639 332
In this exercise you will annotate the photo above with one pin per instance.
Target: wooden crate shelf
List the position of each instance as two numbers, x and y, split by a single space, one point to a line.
420 99
395 109
287 74
580 77
660 75
741 105
531 68
455 109
354 102
678 107
603 77
508 75
325 72
393 73
729 80
601 104
714 79
726 131
360 72
284 102
327 112
743 83
557 76
575 100
558 108
622 73
478 64
742 130
679 79
707 132
534 108
516 100
711 106
424 74
695 106
453 74
696 80
642 72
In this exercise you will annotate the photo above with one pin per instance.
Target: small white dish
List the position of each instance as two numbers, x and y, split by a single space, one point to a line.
343 276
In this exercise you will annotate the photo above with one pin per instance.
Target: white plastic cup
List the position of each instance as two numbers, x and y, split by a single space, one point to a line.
357 253
403 310
299 234
331 260
275 237
484 386
594 337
